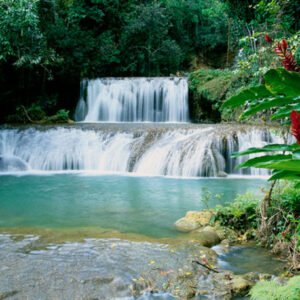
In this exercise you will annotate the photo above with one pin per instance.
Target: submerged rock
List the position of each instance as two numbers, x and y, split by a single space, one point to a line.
193 220
222 174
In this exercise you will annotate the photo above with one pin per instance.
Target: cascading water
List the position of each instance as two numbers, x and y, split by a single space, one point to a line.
185 150
133 100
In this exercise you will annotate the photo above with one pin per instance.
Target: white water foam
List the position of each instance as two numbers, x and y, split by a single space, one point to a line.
176 152
161 99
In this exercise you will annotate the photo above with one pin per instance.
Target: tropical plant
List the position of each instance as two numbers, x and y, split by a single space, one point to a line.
241 214
281 94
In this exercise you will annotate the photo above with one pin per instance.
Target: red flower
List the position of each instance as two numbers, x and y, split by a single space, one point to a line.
287 59
295 125
268 39
284 44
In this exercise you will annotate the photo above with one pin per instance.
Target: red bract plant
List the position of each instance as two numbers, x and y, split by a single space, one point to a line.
295 125
268 39
286 56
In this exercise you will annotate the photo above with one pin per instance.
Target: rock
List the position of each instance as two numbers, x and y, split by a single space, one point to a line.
240 285
225 243
226 233
206 237
214 286
222 174
265 276
186 225
251 276
194 220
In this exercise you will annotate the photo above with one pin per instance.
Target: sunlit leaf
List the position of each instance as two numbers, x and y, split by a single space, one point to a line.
263 161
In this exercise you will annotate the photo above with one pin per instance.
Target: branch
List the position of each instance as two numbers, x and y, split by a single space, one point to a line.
205 266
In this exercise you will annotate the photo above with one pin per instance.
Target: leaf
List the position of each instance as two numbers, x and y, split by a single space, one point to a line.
267 104
267 148
280 81
253 93
288 164
283 174
264 160
285 111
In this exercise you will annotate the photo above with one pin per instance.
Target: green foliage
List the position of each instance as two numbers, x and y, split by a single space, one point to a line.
62 116
21 40
35 113
208 89
272 290
297 56
42 43
280 90
207 197
241 214
281 93
24 115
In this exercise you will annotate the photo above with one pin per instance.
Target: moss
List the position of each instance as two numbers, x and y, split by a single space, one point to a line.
208 89
271 290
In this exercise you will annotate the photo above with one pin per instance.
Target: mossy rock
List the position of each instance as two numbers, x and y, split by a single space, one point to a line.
206 237
208 89
240 285
193 220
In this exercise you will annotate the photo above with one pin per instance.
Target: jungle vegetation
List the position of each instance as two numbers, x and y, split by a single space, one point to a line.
48 46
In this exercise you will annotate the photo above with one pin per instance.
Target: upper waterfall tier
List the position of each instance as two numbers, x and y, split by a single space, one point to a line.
160 99
145 149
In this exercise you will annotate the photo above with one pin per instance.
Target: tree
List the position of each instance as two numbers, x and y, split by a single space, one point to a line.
21 41
145 42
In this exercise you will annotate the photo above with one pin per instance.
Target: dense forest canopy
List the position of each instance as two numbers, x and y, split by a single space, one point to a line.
47 46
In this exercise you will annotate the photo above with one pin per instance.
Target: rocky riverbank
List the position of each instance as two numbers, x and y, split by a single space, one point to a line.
114 269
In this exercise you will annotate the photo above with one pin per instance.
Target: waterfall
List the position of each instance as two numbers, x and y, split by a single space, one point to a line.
188 151
133 100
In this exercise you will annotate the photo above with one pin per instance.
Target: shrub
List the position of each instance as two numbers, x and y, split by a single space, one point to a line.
271 290
241 214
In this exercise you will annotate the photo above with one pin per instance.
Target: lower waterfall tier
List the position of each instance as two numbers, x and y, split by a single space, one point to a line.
172 150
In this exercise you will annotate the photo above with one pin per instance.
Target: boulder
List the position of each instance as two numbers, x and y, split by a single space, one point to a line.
240 285
226 233
194 220
206 237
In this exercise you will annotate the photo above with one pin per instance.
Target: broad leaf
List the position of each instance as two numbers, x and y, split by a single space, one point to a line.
267 148
267 104
281 82
261 161
288 165
285 112
253 93
287 175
